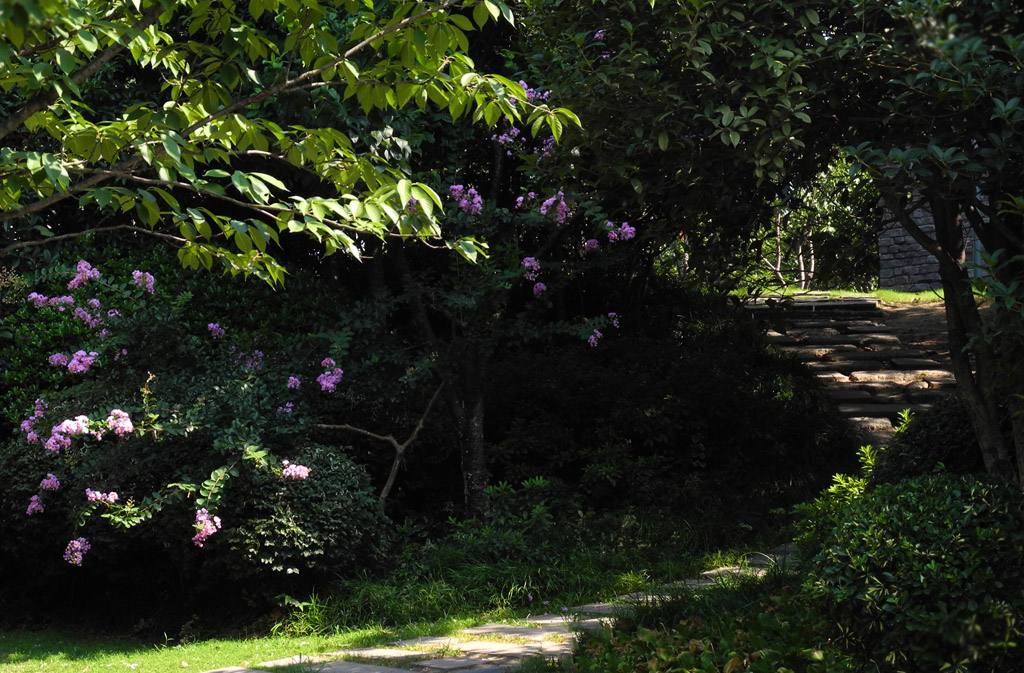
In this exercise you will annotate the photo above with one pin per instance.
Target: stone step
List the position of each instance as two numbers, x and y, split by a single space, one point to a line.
870 339
876 410
902 376
845 366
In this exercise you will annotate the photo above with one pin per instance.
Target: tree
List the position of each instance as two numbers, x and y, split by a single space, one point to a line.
931 95
170 111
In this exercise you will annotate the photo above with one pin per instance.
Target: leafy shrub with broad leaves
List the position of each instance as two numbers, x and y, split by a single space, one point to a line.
942 434
926 575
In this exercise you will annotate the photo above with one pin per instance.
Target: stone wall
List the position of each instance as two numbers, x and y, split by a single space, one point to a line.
906 266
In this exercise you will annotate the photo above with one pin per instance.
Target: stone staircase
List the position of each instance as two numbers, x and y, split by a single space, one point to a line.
870 374
504 646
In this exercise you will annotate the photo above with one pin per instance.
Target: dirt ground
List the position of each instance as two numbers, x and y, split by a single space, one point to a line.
921 326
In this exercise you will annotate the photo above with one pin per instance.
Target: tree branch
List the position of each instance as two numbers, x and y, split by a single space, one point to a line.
399 448
126 227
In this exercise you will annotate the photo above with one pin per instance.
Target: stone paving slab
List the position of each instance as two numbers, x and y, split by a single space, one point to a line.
845 366
376 653
915 363
234 669
433 642
451 663
512 631
497 648
354 667
884 410
298 659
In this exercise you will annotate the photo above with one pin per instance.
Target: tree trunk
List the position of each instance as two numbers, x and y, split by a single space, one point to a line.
474 450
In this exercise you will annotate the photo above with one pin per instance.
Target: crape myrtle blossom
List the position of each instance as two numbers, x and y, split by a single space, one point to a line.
28 426
562 211
85 273
144 280
206 526
294 471
35 506
599 34
614 317
469 200
75 550
539 288
530 196
97 496
88 318
81 361
594 338
51 483
287 408
294 382
216 331
623 233
591 244
120 422
532 267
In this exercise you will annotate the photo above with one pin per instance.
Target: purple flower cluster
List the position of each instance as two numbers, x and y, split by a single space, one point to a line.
590 245
469 200
329 379
539 288
562 211
508 139
143 279
120 422
530 196
28 426
614 317
546 147
252 360
286 409
623 233
533 94
216 331
594 338
51 483
88 318
79 363
35 506
206 526
294 382
41 300
85 273
76 549
532 267
294 471
599 34
97 496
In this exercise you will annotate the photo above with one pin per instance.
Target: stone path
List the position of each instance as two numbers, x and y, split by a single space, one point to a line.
870 374
501 646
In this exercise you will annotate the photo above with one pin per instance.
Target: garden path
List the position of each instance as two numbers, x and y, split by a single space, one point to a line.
500 646
867 369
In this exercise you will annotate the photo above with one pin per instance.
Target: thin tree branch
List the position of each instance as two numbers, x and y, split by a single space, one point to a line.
119 227
399 447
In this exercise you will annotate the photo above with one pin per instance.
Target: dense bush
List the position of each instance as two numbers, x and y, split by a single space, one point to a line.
926 575
942 434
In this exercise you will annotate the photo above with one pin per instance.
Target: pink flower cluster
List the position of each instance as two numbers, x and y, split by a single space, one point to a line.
530 196
205 526
286 409
143 279
75 550
294 382
294 471
88 318
28 426
252 360
216 331
623 233
120 422
562 211
79 362
97 496
594 338
469 200
51 483
591 244
539 288
507 139
532 267
41 300
35 506
60 435
85 273
329 379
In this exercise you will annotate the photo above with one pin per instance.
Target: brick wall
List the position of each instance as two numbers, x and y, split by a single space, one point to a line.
906 266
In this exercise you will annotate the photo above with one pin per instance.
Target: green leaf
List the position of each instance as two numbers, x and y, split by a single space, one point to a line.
88 41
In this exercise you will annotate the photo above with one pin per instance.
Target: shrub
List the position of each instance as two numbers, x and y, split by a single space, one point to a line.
927 575
943 434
